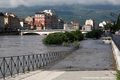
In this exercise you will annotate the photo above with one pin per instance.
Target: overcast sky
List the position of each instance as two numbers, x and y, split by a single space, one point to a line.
15 3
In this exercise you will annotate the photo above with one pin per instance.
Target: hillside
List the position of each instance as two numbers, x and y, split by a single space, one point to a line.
71 12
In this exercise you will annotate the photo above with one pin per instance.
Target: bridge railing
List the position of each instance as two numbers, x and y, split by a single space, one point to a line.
25 63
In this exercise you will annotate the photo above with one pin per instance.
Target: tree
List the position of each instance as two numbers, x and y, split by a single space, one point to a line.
108 26
118 21
94 34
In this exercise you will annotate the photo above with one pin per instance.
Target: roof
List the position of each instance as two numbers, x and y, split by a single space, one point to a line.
39 13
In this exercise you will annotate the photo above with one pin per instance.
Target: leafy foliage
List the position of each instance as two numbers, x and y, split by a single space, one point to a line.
67 37
78 36
55 38
108 26
94 34
113 27
118 75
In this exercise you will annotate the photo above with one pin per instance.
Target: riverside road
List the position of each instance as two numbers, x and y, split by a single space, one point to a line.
92 61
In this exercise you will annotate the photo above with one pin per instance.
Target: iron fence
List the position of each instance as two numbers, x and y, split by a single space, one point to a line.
25 63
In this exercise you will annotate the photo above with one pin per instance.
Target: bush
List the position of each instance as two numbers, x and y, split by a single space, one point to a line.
55 38
94 34
118 75
78 36
60 38
69 37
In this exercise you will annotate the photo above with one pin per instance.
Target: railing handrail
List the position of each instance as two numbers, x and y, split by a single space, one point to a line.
32 54
16 64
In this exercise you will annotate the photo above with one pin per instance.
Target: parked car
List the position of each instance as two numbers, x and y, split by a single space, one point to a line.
117 32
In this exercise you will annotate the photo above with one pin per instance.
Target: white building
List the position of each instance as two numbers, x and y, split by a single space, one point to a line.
102 24
89 25
89 22
87 28
49 12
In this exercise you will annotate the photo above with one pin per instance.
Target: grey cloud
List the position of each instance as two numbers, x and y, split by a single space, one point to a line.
87 2
15 3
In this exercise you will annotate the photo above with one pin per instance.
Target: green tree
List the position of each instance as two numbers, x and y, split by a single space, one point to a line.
77 35
54 38
69 37
118 21
94 34
59 38
108 26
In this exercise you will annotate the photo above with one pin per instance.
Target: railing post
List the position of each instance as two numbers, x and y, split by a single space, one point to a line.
36 61
45 59
11 66
23 66
33 62
18 68
40 61
28 65
4 73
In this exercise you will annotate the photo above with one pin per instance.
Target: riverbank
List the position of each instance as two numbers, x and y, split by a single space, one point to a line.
9 33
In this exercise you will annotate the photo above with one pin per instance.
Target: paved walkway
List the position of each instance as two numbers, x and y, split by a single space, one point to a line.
93 61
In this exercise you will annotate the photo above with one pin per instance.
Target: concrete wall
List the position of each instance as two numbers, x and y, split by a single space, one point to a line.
116 53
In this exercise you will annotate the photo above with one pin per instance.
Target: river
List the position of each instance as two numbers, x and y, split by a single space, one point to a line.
24 45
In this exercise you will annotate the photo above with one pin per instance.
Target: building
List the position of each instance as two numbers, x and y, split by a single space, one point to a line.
89 22
60 24
39 20
46 19
29 22
89 25
87 28
11 22
102 24
1 22
75 25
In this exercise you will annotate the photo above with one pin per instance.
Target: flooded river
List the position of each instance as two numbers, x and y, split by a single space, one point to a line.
24 45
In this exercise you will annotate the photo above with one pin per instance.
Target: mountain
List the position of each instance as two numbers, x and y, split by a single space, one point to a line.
71 12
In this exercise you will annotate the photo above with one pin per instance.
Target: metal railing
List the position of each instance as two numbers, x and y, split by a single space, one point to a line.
24 63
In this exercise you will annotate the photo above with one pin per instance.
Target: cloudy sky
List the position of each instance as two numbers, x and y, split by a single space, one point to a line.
15 3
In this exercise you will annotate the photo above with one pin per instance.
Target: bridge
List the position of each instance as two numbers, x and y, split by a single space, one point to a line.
45 32
41 32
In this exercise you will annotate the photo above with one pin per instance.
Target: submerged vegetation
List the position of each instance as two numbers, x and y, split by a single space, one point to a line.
63 38
94 34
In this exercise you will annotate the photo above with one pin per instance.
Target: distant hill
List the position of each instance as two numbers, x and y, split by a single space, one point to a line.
71 12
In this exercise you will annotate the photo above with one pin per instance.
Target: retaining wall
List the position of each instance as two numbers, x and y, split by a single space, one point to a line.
116 53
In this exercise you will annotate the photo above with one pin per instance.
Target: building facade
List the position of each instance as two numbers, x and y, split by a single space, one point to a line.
89 25
11 23
46 19
1 22
29 22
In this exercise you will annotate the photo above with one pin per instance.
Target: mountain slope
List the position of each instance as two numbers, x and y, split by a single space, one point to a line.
71 12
